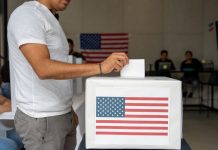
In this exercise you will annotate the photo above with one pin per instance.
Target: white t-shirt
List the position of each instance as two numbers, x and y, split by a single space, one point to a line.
32 22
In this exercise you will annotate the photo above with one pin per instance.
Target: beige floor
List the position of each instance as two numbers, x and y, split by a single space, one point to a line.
201 132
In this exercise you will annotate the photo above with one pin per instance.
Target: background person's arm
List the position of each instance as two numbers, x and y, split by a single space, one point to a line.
5 104
173 66
38 56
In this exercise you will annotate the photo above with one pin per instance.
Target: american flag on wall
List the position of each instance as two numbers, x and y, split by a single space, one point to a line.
95 47
132 116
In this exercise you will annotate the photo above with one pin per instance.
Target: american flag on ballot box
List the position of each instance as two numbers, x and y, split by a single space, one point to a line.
132 116
95 47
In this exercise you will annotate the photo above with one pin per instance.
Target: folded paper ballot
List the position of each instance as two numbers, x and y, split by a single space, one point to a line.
135 69
133 113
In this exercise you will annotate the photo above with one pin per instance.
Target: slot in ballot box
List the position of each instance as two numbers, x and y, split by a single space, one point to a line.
128 113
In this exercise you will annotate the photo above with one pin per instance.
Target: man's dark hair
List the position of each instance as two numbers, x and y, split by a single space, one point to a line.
70 41
164 51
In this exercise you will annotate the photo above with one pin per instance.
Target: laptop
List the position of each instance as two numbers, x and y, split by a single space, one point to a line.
164 66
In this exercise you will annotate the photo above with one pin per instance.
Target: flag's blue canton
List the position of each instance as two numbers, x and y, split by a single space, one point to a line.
110 106
90 41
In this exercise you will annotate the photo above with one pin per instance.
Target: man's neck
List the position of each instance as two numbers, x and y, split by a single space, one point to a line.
48 5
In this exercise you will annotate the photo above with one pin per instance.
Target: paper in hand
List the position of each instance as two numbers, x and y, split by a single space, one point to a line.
135 69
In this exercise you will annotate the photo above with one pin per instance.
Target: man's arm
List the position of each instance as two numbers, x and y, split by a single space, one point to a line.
38 57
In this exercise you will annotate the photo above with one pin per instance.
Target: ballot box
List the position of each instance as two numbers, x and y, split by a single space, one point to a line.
133 113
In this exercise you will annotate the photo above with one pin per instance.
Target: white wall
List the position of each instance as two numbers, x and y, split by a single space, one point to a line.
153 25
12 4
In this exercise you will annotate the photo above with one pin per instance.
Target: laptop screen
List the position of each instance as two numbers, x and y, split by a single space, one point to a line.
164 66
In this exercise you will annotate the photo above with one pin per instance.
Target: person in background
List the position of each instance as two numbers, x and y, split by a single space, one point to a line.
164 58
72 52
5 104
38 54
9 139
5 78
190 68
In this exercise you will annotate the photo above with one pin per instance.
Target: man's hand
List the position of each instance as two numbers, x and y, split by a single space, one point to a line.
75 119
115 62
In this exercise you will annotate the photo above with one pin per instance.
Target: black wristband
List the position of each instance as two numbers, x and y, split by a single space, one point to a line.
100 69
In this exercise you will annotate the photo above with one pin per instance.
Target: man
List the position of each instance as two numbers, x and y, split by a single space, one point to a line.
38 51
164 70
190 66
